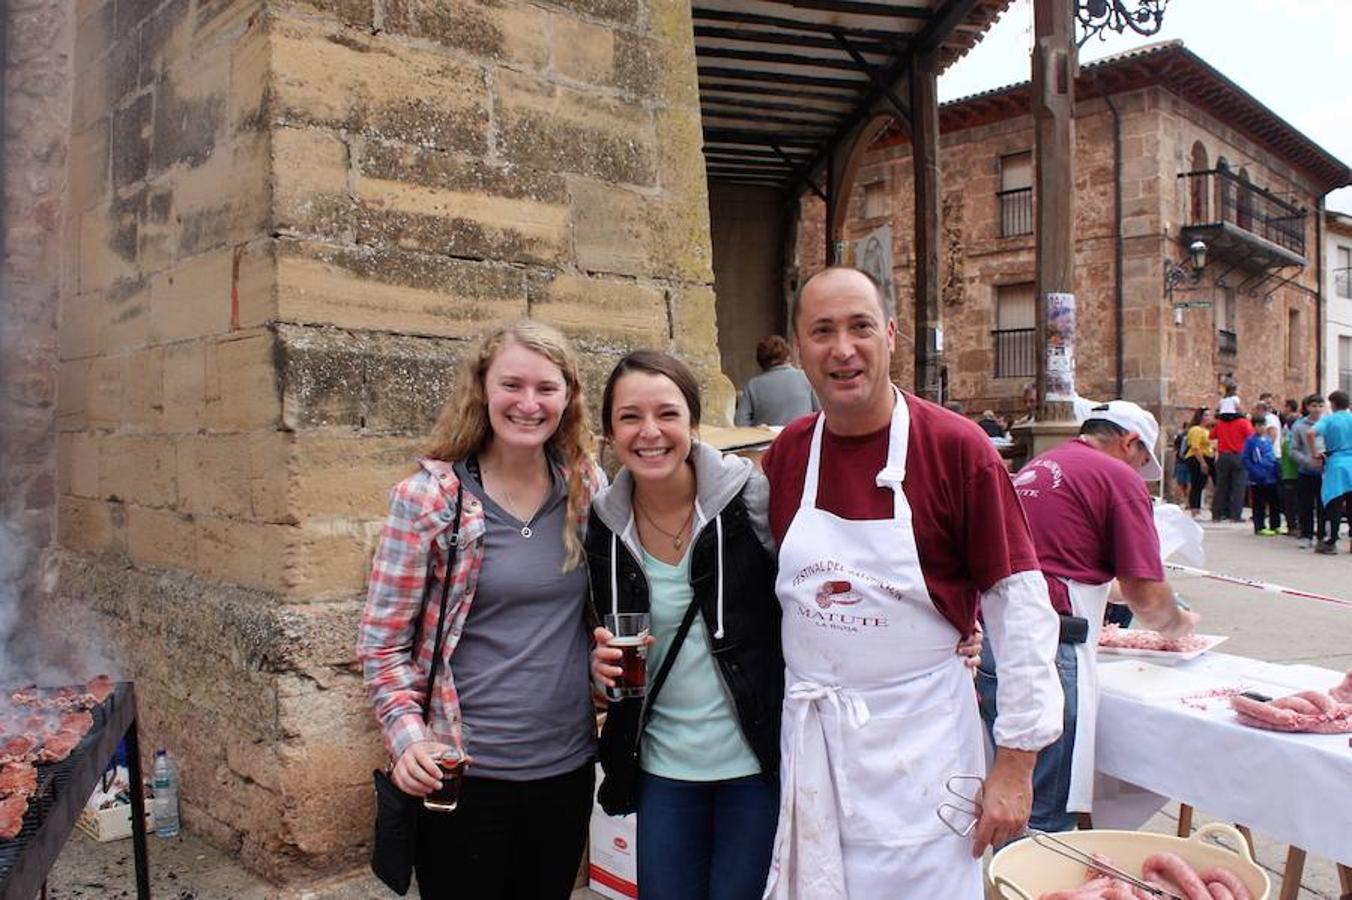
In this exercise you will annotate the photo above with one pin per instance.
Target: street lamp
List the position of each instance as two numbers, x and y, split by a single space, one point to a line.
1097 16
1176 275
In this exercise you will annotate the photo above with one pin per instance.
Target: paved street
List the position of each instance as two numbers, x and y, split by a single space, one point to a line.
1260 624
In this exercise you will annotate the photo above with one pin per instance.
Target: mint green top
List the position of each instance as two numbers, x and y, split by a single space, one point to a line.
692 734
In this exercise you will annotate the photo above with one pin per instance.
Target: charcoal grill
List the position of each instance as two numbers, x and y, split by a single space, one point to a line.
63 788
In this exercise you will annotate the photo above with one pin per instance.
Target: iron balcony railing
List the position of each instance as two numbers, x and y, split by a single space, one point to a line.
1016 211
1015 352
1228 343
1216 196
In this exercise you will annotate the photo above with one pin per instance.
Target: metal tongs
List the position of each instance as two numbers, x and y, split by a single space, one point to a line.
1058 846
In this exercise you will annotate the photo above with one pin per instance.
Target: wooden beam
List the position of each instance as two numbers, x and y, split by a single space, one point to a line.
785 59
848 84
770 106
863 8
719 15
1054 70
924 123
780 38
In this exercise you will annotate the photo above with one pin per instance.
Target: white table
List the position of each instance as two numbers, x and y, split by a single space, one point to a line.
1295 787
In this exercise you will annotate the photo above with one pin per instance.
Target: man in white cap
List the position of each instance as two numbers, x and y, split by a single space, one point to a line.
1093 523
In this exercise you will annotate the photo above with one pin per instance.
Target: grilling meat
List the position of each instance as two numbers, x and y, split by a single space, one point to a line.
12 810
17 748
58 746
100 687
18 779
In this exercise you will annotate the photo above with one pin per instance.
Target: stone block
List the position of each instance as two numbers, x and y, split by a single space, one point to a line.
88 526
559 129
81 325
94 34
190 105
306 163
107 245
394 290
349 12
193 299
386 161
583 51
131 130
205 217
89 166
322 373
77 464
243 476
329 560
612 230
345 478
103 401
143 397
344 79
249 554
473 27
166 38
601 309
137 470
72 394
184 391
124 317
241 382
620 12
161 538
254 289
407 381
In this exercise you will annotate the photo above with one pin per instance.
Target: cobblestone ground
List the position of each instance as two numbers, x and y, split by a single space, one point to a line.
1261 624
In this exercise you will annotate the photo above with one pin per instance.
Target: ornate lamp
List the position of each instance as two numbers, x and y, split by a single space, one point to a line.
1097 16
1176 275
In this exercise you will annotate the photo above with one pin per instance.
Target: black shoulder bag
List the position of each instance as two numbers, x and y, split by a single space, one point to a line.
620 735
397 813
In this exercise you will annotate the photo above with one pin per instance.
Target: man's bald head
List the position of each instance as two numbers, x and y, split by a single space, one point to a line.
834 278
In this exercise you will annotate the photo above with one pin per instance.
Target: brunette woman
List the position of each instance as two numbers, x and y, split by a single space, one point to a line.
509 459
684 529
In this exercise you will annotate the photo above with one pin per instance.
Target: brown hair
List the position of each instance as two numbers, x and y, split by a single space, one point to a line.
652 362
463 428
771 351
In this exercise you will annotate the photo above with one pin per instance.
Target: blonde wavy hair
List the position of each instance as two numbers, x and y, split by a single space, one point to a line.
463 429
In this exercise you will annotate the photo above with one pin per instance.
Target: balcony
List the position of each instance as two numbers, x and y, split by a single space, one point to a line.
1227 343
1015 352
1247 226
1016 211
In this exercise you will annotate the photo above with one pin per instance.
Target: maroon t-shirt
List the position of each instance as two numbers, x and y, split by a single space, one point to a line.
1091 516
970 531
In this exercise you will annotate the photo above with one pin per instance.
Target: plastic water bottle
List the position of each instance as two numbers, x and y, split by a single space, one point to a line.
165 806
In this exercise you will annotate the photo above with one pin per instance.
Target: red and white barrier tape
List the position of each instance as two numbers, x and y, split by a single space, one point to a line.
1260 585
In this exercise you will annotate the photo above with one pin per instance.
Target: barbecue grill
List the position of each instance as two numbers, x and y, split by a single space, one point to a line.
63 788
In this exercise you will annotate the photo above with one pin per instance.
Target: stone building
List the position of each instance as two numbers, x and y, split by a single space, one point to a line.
1338 309
247 242
1168 151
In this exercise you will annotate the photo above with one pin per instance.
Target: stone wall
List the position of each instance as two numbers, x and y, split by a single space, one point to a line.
747 231
1165 367
292 219
37 96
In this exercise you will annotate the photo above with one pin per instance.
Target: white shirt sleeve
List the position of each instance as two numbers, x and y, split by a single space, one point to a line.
1024 631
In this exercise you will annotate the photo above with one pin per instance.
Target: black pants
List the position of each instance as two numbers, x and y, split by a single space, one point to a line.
508 840
1265 513
1227 502
1196 482
1335 511
1310 509
1290 499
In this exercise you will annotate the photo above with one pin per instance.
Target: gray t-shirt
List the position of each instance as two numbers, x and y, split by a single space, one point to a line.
776 396
521 665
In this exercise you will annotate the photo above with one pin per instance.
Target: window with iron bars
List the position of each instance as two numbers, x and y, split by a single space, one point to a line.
1015 197
1015 336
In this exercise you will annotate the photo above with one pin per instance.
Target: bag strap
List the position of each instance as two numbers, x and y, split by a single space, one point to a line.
660 678
451 553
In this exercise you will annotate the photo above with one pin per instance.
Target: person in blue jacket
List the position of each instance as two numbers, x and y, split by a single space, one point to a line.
1261 464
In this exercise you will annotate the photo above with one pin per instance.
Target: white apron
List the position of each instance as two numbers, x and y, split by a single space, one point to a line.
1089 601
878 713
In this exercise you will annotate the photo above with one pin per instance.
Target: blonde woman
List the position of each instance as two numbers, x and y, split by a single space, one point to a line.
511 449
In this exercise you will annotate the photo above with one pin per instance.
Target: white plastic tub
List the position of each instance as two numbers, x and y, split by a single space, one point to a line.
1025 871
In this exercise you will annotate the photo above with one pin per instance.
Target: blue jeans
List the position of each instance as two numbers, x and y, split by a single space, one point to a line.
705 840
1051 773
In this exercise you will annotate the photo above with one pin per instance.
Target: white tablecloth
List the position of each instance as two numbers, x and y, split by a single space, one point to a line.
1296 788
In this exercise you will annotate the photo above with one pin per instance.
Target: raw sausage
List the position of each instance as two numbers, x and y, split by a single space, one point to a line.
1173 868
1227 881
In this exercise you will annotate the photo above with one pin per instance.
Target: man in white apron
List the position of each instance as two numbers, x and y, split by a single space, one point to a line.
1092 522
894 518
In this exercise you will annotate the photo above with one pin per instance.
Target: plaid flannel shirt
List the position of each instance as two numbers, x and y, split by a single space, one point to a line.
395 673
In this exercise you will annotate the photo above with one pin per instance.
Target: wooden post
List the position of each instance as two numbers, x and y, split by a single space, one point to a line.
1055 64
928 212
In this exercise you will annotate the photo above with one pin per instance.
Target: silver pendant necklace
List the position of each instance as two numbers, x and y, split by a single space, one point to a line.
526 530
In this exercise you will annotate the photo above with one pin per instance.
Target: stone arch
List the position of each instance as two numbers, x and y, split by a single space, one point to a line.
1244 204
1225 191
845 172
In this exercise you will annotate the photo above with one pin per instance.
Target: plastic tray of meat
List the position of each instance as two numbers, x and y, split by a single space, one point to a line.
1151 645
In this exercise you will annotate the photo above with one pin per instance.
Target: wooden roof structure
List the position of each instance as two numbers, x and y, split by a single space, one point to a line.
783 82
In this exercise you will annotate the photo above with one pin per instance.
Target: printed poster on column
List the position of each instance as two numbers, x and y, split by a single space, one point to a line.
873 254
1061 347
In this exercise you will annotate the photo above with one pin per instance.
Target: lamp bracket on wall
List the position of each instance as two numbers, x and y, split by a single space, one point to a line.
1098 16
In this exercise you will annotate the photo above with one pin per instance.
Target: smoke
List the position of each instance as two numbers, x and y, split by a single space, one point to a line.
70 650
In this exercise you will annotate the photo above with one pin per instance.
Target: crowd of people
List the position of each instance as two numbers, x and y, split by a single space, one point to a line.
1292 466
815 626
